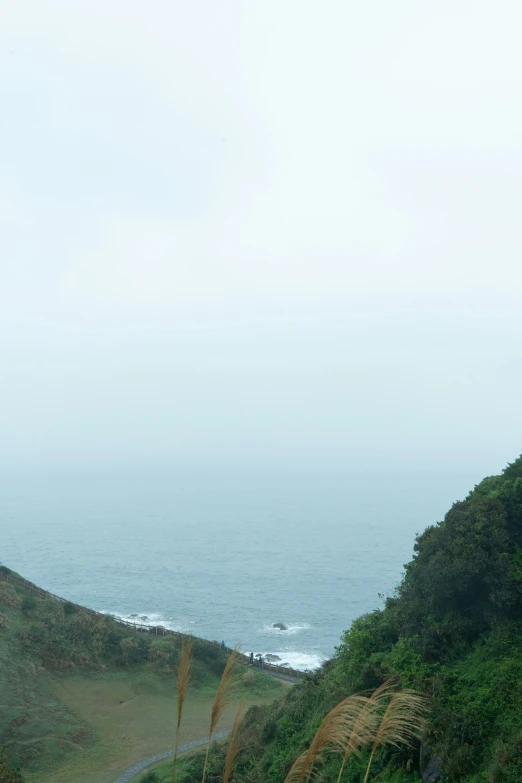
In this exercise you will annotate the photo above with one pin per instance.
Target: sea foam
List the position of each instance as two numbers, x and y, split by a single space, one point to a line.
153 619
295 659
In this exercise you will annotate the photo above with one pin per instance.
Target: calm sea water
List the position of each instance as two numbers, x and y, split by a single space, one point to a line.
224 557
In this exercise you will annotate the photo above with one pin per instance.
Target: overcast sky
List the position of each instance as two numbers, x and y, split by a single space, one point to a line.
266 233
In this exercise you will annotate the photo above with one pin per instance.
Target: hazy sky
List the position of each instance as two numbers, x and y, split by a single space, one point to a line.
260 233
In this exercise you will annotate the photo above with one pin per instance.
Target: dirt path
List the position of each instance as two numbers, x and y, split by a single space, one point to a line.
129 774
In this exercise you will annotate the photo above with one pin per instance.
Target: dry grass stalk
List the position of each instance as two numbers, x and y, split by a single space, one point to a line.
220 702
386 717
402 722
332 735
366 723
182 685
233 745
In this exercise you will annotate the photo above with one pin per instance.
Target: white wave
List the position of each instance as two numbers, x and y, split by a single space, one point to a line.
295 659
153 619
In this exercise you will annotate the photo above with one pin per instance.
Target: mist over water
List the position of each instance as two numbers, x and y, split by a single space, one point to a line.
255 258
225 556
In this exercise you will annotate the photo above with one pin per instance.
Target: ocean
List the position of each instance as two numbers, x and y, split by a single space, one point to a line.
225 555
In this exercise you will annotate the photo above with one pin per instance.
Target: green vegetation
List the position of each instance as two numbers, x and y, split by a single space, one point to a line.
453 631
7 773
189 767
83 697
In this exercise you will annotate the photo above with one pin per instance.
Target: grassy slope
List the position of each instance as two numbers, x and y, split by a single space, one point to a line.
452 630
133 715
82 699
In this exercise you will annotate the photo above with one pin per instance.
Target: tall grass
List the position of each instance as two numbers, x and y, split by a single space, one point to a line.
366 723
402 722
220 702
233 745
332 735
183 680
386 717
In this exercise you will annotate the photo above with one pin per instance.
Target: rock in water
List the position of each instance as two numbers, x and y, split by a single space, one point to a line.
271 658
281 626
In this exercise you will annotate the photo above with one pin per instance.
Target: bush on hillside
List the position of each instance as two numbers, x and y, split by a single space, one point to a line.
460 579
134 650
4 623
150 777
7 773
28 603
210 655
50 610
164 653
9 597
63 641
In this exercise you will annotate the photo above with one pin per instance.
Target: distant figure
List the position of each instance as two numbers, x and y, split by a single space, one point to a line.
251 659
222 645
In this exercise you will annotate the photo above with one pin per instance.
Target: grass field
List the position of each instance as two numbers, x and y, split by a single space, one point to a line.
133 717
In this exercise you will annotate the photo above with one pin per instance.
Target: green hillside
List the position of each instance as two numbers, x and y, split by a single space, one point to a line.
83 697
453 630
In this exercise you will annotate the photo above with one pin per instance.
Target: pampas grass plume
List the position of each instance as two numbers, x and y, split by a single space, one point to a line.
233 745
402 722
332 735
183 680
220 702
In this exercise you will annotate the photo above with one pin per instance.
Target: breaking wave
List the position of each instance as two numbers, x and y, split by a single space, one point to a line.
153 619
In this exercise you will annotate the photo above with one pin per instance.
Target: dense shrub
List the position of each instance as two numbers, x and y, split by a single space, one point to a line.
9 597
7 773
164 653
209 656
150 777
134 650
28 603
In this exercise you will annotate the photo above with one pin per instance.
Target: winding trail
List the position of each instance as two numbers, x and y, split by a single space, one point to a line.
129 774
